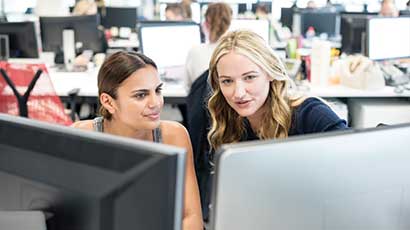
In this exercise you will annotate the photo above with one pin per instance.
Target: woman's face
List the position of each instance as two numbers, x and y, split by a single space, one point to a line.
244 84
139 99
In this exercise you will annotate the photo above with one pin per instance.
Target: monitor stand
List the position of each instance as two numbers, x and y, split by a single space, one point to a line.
69 48
4 47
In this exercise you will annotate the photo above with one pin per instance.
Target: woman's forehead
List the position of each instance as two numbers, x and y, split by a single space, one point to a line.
146 77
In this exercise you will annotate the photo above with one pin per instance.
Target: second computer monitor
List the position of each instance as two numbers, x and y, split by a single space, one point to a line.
286 17
118 16
388 38
168 43
85 32
324 22
349 180
22 39
353 31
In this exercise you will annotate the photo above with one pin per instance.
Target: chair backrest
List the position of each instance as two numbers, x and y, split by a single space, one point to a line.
43 102
198 125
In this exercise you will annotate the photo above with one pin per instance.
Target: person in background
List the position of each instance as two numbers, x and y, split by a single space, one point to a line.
388 9
186 6
262 11
311 5
82 8
85 7
174 12
129 90
251 98
218 18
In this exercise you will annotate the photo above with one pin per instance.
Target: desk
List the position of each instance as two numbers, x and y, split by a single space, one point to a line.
337 91
124 43
64 82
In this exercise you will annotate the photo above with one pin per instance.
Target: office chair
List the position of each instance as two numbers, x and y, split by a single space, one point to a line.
198 126
39 100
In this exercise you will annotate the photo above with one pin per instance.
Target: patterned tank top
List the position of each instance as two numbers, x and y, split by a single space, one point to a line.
98 126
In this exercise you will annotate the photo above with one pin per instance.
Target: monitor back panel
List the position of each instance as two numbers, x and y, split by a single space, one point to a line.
356 180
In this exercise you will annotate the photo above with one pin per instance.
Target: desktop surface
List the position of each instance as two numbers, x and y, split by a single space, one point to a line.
343 180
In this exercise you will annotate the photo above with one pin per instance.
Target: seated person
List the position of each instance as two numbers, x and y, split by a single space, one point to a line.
388 9
251 98
262 11
218 18
174 12
129 91
311 4
85 7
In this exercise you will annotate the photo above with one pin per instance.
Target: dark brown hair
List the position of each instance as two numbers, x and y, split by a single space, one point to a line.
218 16
115 69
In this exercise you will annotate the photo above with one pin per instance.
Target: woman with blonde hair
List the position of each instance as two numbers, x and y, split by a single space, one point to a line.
218 18
251 98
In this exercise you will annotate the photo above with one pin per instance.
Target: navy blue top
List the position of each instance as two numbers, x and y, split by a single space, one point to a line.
312 116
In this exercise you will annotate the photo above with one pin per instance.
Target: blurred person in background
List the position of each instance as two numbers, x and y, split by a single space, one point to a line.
85 7
388 9
218 18
174 12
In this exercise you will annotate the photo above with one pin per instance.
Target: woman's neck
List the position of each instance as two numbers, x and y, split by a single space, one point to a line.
119 129
256 120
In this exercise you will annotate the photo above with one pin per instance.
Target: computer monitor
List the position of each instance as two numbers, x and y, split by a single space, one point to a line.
85 31
118 16
89 180
395 40
261 27
22 39
404 12
168 43
266 4
243 6
286 17
353 31
324 22
340 180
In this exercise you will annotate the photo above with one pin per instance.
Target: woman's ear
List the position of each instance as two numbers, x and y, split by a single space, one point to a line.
108 103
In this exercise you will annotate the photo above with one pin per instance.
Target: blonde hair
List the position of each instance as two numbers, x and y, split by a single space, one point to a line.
227 125
218 16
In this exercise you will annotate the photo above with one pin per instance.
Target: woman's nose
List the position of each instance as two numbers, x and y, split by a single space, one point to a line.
240 91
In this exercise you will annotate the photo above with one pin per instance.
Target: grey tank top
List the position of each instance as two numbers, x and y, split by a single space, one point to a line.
98 126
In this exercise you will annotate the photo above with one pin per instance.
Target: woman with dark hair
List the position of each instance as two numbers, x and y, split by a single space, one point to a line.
129 90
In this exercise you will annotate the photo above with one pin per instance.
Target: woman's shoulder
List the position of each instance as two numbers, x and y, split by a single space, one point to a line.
85 125
308 102
174 133
313 114
172 127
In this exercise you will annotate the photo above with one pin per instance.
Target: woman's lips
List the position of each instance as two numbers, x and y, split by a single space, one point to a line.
153 116
243 103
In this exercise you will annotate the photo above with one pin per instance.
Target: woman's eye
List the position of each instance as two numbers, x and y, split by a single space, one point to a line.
158 91
250 77
140 95
226 81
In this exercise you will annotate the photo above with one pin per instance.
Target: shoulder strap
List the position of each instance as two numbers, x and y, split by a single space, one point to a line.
98 124
156 133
